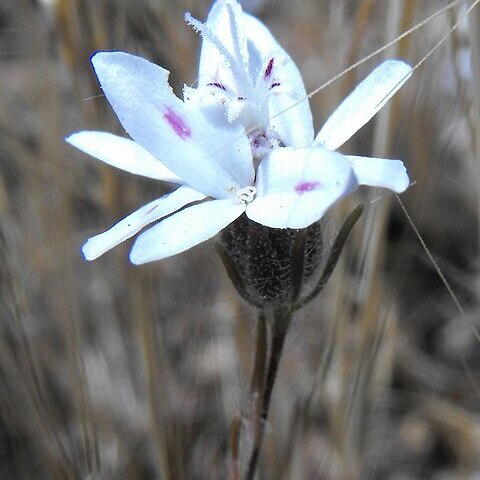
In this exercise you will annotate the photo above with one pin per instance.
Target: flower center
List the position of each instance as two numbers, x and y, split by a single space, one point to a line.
246 194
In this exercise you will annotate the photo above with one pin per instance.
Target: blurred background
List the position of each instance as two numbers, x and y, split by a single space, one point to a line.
110 371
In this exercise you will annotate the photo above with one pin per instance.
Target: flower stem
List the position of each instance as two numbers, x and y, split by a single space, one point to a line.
235 441
258 375
279 329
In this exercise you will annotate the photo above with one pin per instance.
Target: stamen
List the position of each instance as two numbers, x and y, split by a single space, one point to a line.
236 40
218 85
237 70
246 194
268 69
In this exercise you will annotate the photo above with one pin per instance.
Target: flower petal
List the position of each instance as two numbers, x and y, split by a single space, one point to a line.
184 230
292 117
363 103
211 159
213 65
295 187
122 153
133 223
380 172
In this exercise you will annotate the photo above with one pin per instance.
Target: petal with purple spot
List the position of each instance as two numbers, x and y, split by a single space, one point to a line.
212 159
295 187
290 114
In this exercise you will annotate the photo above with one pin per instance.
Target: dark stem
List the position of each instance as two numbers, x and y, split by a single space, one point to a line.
279 330
235 441
258 377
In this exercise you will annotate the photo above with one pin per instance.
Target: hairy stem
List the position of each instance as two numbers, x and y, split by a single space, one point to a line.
258 376
279 330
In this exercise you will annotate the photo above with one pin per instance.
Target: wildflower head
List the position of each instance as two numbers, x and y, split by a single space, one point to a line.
275 175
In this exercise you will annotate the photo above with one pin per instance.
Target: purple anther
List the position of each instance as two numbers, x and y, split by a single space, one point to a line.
303 187
217 84
274 84
177 123
268 70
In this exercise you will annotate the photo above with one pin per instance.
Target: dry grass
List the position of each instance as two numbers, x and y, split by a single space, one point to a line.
112 371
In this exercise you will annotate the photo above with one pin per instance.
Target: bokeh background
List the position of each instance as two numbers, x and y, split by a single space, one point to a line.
110 371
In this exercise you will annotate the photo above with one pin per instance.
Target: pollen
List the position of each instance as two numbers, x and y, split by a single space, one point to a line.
246 194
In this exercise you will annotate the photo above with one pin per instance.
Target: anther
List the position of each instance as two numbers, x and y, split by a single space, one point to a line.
246 194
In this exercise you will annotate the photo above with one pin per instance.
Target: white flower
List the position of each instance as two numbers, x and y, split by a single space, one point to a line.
212 160
246 76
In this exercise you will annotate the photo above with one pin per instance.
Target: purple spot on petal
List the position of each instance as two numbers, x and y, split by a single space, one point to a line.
274 84
178 124
268 69
303 187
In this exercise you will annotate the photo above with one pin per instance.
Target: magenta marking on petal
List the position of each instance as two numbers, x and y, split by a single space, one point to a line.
178 124
303 187
268 69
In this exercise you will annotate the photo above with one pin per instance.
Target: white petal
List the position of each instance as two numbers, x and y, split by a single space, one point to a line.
133 223
292 117
380 172
122 153
184 230
261 43
295 187
363 103
213 66
212 160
